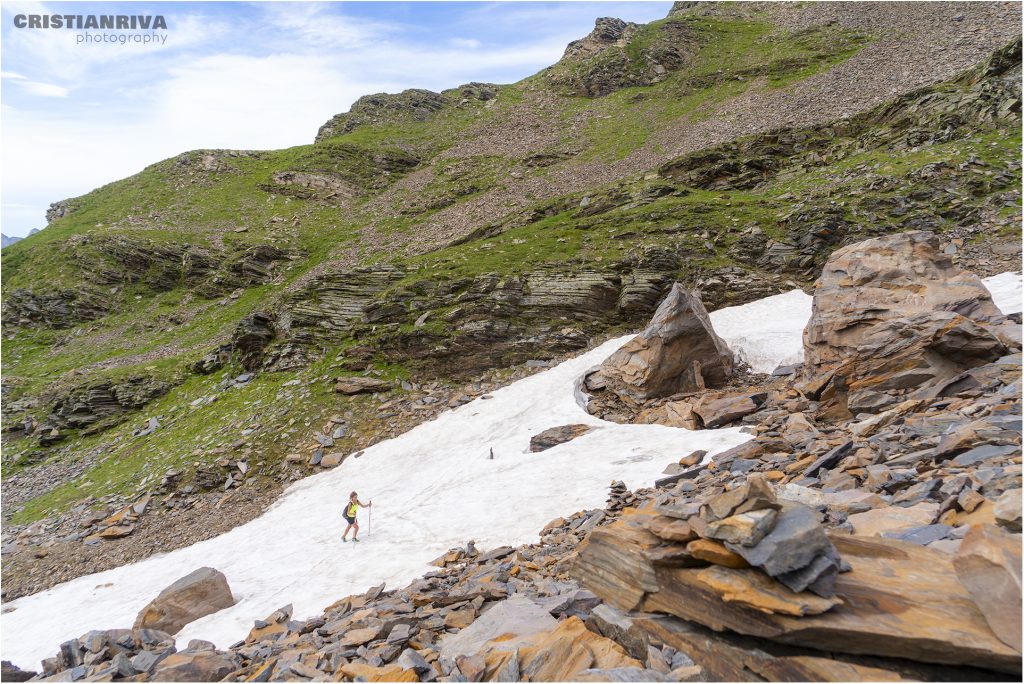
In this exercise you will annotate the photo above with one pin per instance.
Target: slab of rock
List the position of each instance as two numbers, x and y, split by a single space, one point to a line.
678 414
1008 510
556 655
517 616
757 591
361 385
557 435
196 666
727 409
899 600
890 519
727 657
612 623
989 565
677 352
386 673
195 595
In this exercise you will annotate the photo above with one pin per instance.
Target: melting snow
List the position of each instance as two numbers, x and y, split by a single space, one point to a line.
433 487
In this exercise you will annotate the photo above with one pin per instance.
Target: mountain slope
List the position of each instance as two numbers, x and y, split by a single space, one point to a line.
429 239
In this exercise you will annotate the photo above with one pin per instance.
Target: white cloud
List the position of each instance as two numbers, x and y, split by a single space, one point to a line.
43 89
469 43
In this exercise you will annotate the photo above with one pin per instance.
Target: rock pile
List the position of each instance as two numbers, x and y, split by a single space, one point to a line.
847 539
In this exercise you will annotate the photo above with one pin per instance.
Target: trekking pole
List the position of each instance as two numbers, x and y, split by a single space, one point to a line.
369 522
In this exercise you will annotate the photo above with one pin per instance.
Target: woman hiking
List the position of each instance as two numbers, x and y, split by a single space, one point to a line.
351 508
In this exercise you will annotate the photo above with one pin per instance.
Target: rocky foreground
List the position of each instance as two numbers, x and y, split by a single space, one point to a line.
869 530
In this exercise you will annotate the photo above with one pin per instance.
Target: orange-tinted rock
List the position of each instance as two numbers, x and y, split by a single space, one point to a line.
715 553
988 563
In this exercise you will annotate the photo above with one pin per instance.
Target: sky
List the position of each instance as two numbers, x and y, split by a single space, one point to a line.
76 115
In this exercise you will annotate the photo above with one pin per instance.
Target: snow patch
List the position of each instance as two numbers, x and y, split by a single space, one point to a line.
768 332
1006 291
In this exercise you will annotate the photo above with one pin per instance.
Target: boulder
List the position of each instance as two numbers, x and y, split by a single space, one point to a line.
361 385
677 352
1008 510
890 519
557 435
871 282
678 414
796 550
989 565
195 595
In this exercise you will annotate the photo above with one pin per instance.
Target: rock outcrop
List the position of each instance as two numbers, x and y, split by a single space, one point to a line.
416 104
251 337
60 309
602 62
677 352
195 595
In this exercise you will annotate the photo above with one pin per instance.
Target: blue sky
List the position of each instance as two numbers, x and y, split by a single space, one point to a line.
242 76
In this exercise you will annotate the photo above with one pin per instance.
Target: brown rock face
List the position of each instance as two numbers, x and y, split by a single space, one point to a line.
988 564
195 595
867 284
677 352
554 656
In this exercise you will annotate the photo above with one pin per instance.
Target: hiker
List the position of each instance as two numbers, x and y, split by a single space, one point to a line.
351 508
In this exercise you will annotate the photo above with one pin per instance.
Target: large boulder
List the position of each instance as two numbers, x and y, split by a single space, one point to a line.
677 352
195 595
869 283
890 316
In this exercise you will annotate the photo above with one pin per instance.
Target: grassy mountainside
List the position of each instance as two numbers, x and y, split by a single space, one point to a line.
430 238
